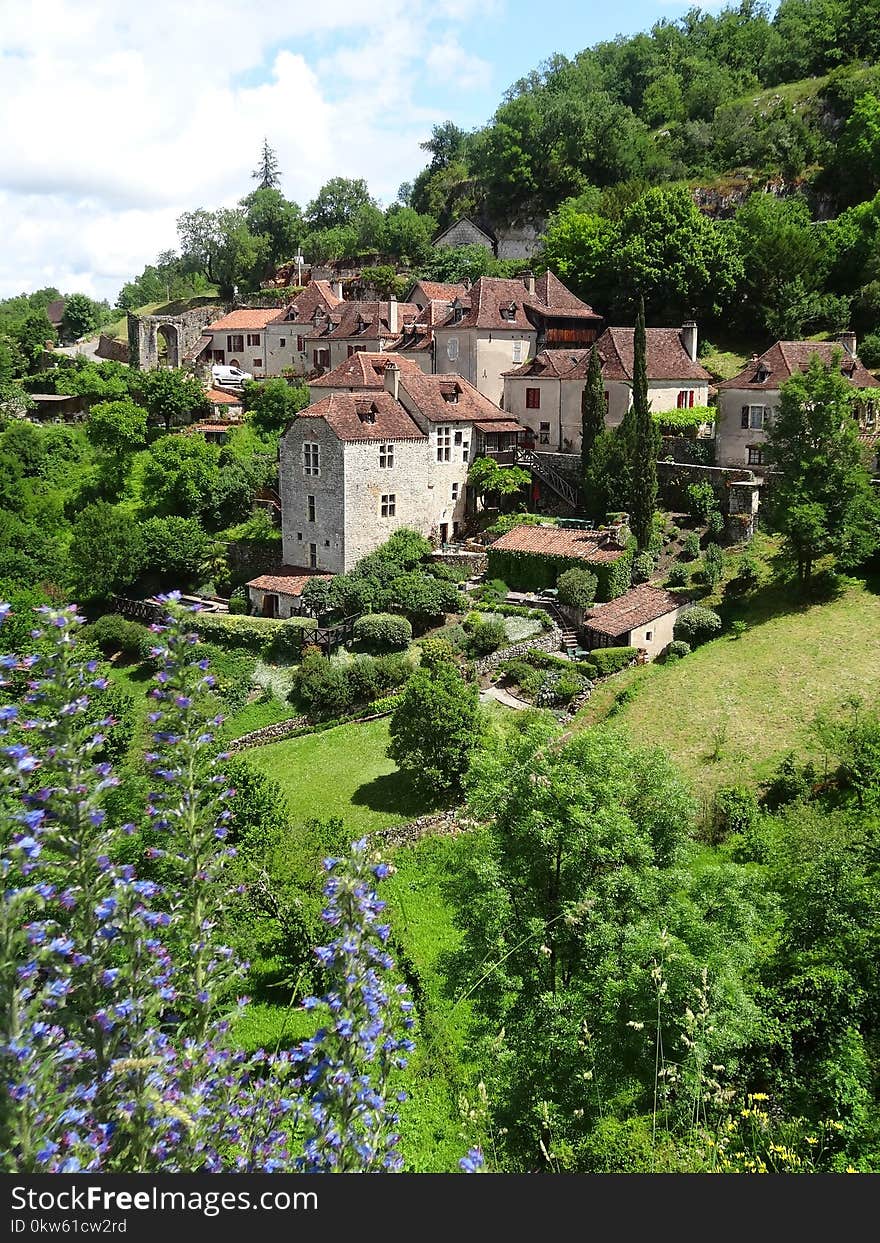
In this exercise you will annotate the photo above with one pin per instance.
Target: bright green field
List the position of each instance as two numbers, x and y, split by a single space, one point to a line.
765 688
342 772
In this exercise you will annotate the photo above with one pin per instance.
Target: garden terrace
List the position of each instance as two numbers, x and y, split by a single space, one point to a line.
532 557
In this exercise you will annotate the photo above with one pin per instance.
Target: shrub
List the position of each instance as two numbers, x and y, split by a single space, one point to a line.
691 548
715 524
869 351
487 637
678 648
321 688
363 678
697 624
114 633
383 631
610 660
577 588
749 571
735 811
642 567
738 628
290 636
239 603
677 576
253 633
561 687
525 676
492 592
701 501
713 564
438 650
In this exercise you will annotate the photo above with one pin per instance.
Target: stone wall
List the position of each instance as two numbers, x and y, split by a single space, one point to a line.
113 350
549 641
443 823
520 240
283 729
183 331
253 557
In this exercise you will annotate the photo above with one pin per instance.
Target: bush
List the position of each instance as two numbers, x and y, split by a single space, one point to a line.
735 811
610 660
321 688
492 592
114 633
524 675
239 603
253 633
738 628
697 624
561 687
577 588
749 571
439 650
383 631
869 351
486 637
642 568
713 564
715 524
677 576
678 648
701 501
691 548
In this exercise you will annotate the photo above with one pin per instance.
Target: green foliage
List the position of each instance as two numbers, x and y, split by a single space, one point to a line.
642 567
485 476
117 428
181 474
114 633
436 728
677 576
273 404
326 690
577 588
177 549
106 551
81 317
696 625
494 591
531 571
713 564
171 396
678 648
253 633
383 631
610 660
869 350
592 412
486 636
701 501
691 548
678 422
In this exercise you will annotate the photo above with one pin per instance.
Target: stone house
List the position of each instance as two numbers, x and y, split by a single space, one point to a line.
545 393
643 617
747 402
529 558
463 232
364 461
500 323
269 340
359 373
279 594
424 293
352 327
286 346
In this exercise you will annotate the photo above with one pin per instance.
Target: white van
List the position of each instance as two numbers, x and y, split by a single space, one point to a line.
231 377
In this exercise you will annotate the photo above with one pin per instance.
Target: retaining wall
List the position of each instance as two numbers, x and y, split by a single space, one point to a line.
549 641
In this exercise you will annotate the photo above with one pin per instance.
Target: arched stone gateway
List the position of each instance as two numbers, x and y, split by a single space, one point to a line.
168 345
164 340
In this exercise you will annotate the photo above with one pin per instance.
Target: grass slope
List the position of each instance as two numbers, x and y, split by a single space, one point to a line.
764 688
342 772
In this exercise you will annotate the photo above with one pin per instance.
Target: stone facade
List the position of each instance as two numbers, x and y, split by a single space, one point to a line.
464 232
481 356
181 333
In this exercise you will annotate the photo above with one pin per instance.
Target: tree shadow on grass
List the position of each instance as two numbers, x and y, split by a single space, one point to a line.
394 794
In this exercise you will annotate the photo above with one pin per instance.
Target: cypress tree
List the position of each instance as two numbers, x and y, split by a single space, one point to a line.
592 414
644 442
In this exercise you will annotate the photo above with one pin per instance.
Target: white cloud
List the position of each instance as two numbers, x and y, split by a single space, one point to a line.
136 113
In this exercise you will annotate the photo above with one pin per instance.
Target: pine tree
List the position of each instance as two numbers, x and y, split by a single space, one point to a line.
644 442
267 172
592 414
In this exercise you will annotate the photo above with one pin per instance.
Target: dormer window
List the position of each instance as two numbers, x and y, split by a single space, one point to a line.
457 312
509 311
451 396
762 374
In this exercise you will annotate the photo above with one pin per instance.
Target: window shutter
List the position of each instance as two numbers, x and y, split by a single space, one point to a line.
745 416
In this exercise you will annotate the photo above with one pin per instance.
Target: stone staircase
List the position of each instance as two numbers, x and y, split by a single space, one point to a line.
563 485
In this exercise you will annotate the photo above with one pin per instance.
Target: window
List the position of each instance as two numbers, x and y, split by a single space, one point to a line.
301 344
456 491
452 349
457 438
258 362
388 506
686 399
544 433
299 536
386 456
253 338
311 459
326 543
756 455
235 344
533 399
352 349
444 441
321 358
649 634
755 418
311 501
282 342
465 450
313 556
451 397
517 351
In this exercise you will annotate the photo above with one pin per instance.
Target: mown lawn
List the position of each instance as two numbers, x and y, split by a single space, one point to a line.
342 772
760 692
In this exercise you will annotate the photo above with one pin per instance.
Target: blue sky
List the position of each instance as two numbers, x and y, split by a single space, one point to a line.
149 111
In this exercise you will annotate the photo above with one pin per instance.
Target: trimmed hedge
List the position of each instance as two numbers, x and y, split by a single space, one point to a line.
114 633
697 624
608 660
252 633
383 631
528 571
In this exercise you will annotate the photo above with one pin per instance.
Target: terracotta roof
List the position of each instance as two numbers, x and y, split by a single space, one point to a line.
316 294
211 427
219 397
430 394
489 295
667 358
636 608
784 358
287 580
365 320
197 349
553 541
55 311
502 425
363 370
440 291
247 319
550 290
368 416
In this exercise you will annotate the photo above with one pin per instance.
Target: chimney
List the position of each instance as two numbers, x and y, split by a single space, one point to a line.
392 380
689 339
392 316
528 279
337 289
848 341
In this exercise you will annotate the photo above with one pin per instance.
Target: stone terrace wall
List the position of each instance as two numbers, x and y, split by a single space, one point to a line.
442 823
549 641
113 350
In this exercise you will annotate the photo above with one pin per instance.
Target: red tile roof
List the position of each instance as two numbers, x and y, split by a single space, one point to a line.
287 580
367 416
317 294
429 394
364 370
369 320
636 608
553 541
440 291
247 319
501 425
784 358
489 295
667 358
219 397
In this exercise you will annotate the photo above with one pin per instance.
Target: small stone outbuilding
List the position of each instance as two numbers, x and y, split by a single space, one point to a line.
643 617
